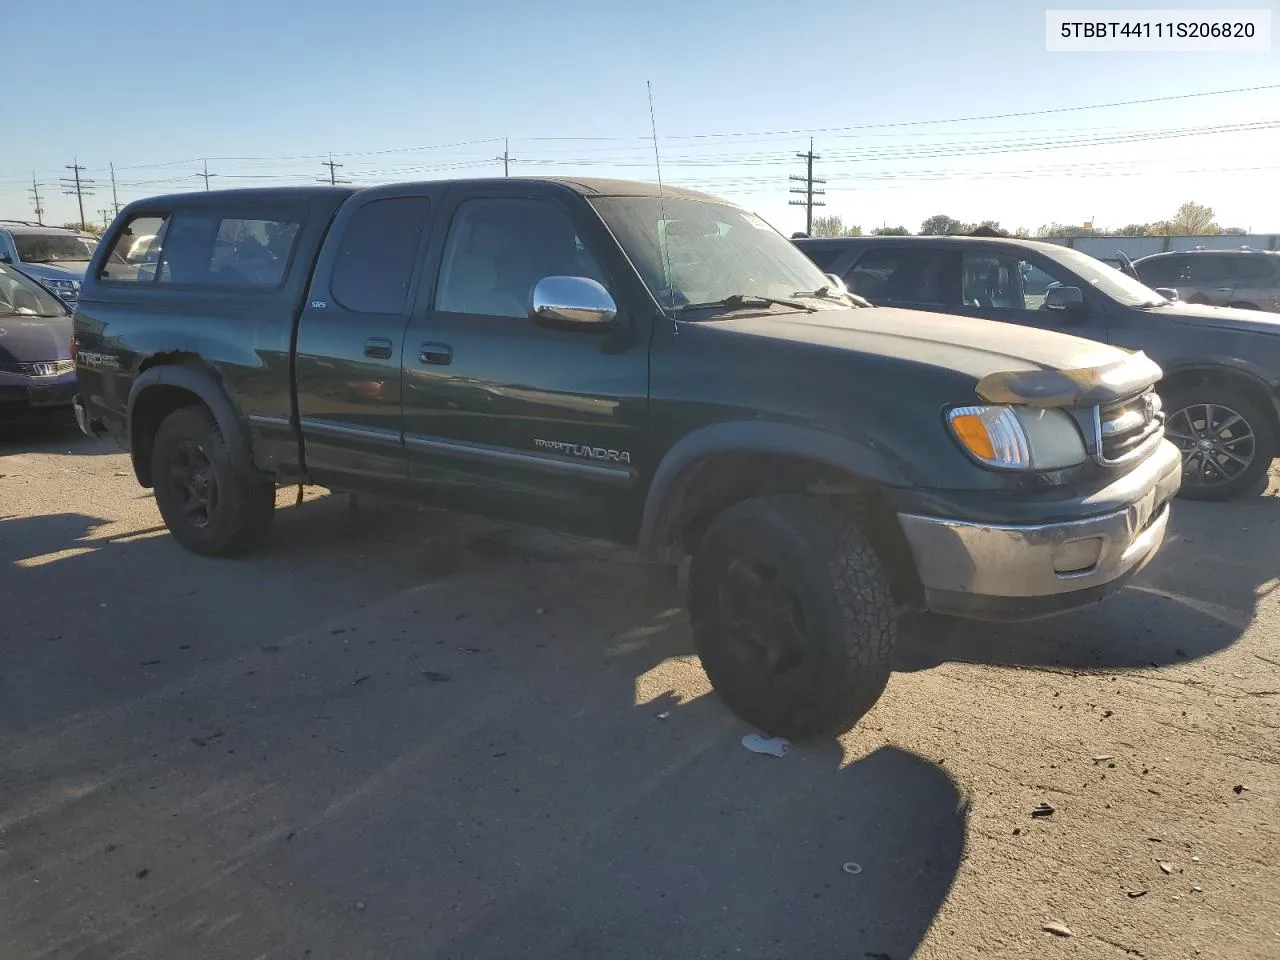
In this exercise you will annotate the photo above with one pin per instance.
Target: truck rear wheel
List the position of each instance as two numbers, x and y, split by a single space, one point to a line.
792 615
209 506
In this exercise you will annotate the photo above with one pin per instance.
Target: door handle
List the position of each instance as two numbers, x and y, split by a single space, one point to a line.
1222 289
438 353
377 348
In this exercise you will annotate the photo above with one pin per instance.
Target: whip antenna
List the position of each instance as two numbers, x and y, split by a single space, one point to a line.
662 205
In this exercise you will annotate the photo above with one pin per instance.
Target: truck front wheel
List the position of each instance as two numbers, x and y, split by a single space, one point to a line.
792 615
209 506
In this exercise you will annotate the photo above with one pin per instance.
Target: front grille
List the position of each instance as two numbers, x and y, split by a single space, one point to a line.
1128 429
40 368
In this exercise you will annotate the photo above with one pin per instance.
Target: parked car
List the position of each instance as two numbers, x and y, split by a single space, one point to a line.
659 369
37 373
54 256
1245 279
1221 366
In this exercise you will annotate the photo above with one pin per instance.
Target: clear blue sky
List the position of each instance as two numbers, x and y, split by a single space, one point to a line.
266 88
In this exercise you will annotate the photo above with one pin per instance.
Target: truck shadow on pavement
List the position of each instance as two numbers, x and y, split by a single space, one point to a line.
427 753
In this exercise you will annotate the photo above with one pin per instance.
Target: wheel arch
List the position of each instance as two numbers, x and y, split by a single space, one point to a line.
1189 376
716 466
168 382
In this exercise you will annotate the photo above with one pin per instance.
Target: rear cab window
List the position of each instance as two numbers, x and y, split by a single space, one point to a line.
205 247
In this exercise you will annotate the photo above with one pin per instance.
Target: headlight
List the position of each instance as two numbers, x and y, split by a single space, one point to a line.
64 287
1018 438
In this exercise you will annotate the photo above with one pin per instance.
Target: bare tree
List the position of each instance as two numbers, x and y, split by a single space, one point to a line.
1193 220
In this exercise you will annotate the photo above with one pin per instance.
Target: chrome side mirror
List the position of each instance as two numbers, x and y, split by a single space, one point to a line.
576 300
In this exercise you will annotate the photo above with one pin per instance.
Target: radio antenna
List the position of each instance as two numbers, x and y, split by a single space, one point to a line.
662 207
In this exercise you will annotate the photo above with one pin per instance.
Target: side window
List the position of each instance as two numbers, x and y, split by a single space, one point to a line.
136 251
498 248
1036 279
204 249
1208 269
901 275
1256 268
1162 272
995 282
377 253
823 258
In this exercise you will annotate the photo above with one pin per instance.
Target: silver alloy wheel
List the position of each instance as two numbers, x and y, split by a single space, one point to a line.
1217 443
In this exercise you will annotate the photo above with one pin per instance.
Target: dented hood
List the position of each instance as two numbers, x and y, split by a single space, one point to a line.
1072 387
1010 363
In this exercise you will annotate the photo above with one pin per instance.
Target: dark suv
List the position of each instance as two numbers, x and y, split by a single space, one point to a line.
1248 279
1221 366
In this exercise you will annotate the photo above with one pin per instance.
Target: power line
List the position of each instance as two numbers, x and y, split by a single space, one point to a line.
35 199
77 186
809 193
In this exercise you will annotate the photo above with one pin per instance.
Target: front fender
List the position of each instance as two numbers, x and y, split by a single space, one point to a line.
668 487
205 384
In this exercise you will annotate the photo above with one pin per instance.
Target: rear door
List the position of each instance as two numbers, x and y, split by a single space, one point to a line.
914 276
1257 281
1208 278
348 363
510 418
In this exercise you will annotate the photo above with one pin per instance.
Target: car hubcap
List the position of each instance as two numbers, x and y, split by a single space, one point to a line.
1217 443
762 615
194 483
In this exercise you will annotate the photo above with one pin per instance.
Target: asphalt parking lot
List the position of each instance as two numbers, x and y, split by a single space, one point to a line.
402 733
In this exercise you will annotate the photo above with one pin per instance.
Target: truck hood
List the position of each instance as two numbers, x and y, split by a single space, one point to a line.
1011 363
33 339
1226 318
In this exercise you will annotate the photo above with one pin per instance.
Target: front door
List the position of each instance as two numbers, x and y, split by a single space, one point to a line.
348 365
1011 286
510 418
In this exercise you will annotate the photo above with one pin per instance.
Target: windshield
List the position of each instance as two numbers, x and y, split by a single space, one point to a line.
1111 282
20 296
47 247
715 251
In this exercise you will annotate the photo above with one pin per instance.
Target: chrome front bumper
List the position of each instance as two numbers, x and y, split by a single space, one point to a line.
992 571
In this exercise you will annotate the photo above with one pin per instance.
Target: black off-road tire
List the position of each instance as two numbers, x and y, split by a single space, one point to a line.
845 608
1261 421
241 515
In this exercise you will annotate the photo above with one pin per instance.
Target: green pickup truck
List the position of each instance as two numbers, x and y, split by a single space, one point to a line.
656 368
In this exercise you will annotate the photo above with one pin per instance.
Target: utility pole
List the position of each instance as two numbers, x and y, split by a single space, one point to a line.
807 190
114 202
106 217
506 157
77 186
332 179
206 175
35 199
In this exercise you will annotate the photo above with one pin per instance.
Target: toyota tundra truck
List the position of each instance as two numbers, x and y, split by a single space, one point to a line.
652 367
